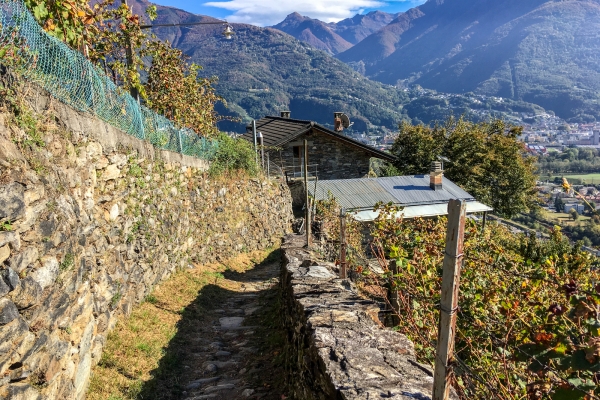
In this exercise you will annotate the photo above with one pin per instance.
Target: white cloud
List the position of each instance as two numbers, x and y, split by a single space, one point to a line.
271 12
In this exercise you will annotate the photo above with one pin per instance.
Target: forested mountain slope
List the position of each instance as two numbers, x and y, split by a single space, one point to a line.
539 51
263 71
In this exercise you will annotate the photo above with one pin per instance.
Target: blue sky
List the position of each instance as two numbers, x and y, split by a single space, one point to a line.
270 12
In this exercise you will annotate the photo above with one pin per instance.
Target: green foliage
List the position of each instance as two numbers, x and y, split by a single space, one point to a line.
486 160
6 226
151 299
572 160
233 155
67 262
327 218
559 204
416 147
574 214
110 36
527 325
176 91
70 21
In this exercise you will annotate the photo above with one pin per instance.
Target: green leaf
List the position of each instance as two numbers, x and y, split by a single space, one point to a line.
567 394
580 363
561 348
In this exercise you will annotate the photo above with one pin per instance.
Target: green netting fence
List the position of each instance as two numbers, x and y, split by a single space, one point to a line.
71 78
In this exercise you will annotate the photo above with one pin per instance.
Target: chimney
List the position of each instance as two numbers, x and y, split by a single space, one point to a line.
285 114
435 176
337 122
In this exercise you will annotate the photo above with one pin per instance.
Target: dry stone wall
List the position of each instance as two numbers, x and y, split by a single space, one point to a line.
91 220
336 348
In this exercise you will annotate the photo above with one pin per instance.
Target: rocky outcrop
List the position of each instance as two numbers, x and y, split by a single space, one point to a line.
89 224
337 348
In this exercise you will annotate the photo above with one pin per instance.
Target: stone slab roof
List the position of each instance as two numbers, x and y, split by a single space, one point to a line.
278 131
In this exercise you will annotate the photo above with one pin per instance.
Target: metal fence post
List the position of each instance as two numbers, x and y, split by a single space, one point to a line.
180 142
343 245
453 259
308 224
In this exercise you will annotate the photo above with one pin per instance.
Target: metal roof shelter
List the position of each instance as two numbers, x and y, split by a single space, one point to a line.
413 193
277 131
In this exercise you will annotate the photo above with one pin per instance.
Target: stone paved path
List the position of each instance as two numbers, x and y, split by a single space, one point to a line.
228 359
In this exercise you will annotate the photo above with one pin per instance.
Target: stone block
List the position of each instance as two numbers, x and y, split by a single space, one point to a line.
8 311
94 150
118 159
8 151
111 172
11 278
27 294
4 289
114 212
11 238
47 273
4 253
12 201
23 260
34 193
21 391
12 335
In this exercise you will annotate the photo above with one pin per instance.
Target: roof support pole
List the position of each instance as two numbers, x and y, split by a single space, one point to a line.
255 144
484 221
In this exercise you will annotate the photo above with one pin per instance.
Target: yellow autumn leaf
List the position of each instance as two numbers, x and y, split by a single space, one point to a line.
80 13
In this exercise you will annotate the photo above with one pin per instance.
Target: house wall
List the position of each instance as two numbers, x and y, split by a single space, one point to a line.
335 160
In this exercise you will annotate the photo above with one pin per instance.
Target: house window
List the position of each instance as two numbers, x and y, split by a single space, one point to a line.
296 150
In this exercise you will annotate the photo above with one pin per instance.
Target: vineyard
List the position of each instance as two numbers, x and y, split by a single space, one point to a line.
528 320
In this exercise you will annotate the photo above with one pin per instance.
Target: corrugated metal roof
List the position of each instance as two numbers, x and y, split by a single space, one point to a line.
364 193
353 193
414 189
427 210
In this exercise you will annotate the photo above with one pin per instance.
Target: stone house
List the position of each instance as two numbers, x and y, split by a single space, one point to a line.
331 155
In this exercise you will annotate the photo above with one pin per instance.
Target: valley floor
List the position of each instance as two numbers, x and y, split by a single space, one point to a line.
208 333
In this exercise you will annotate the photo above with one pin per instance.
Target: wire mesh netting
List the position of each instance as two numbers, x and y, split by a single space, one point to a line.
71 78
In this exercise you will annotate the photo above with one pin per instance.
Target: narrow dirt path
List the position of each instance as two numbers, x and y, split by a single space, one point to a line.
228 345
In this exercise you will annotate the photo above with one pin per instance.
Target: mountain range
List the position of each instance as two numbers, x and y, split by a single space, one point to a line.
538 51
263 71
529 52
335 37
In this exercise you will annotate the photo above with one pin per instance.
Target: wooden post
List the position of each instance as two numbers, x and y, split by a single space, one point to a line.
343 268
484 221
394 301
268 166
129 58
308 224
449 301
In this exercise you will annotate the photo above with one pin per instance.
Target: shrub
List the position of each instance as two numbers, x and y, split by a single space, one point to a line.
233 155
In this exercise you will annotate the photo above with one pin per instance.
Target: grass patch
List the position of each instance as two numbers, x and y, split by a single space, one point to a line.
579 178
136 351
564 219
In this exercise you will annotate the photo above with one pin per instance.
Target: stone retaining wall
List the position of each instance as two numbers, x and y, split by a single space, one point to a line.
89 224
336 346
